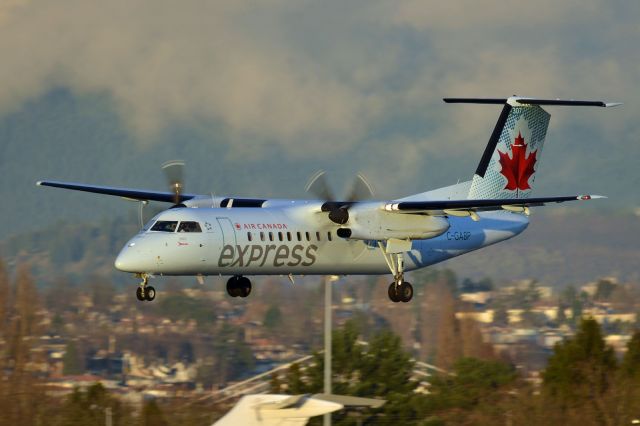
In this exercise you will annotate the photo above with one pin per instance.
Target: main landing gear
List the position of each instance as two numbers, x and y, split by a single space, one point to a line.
239 286
399 290
145 292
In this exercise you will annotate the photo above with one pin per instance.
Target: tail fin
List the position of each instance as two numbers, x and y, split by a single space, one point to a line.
510 160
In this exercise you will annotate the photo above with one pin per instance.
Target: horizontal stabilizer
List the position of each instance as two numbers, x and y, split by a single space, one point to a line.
515 100
481 205
496 101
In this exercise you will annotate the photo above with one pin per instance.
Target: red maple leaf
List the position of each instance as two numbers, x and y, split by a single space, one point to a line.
518 168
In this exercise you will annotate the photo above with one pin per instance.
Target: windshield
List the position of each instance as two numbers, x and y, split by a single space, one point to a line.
189 227
165 226
147 226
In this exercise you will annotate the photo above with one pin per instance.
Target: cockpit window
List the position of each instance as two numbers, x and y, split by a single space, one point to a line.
189 227
147 226
165 226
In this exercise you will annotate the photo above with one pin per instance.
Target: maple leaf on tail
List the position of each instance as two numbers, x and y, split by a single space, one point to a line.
518 168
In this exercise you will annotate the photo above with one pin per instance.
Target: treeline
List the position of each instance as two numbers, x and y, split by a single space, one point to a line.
24 394
19 324
583 384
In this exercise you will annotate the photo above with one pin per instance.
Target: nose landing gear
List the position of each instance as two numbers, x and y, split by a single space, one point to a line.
145 292
238 286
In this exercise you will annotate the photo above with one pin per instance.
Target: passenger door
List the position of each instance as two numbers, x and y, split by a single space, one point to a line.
228 231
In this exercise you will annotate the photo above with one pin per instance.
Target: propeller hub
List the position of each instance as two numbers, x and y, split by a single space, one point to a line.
339 215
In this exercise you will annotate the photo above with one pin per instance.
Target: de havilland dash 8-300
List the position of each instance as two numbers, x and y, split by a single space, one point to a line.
204 235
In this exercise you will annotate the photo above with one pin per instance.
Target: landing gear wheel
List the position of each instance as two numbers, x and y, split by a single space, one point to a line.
149 293
238 286
232 287
393 294
140 294
244 286
405 292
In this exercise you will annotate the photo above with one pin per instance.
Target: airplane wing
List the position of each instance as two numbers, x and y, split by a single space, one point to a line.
513 204
286 410
132 194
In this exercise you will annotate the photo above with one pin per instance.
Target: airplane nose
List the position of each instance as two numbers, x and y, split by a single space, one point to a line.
126 260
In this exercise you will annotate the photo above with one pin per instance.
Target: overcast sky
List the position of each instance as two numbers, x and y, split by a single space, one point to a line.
314 80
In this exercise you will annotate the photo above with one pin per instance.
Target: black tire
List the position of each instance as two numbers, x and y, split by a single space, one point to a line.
140 294
232 287
149 293
406 292
393 294
244 286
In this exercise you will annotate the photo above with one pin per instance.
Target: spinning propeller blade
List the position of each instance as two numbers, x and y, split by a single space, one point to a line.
318 186
361 189
174 172
338 210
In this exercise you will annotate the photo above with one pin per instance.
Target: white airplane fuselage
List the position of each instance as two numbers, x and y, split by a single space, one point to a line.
281 241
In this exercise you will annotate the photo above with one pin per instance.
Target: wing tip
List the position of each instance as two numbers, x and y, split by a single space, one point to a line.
590 197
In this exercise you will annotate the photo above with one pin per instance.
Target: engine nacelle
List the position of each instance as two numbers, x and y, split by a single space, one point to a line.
375 224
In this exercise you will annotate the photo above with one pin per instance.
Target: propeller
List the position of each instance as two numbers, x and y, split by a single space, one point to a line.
338 211
174 172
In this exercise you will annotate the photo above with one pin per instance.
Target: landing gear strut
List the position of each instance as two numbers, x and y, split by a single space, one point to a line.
145 292
399 290
238 286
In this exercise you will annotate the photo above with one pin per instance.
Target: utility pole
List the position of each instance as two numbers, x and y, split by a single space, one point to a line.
108 416
328 283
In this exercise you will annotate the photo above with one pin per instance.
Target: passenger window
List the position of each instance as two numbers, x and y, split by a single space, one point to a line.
329 235
306 234
249 236
270 236
318 236
279 236
299 236
261 236
288 236
165 226
189 227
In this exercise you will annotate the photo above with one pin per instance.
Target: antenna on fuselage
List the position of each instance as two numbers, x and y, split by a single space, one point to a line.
142 204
